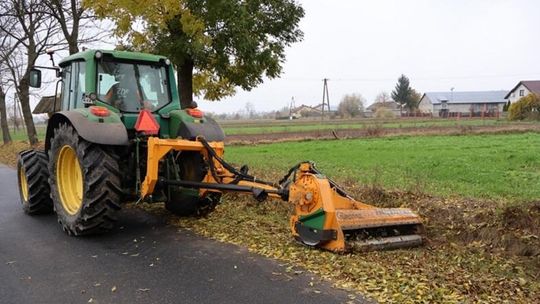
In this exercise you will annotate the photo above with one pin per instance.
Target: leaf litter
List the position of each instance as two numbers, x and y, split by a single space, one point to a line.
452 267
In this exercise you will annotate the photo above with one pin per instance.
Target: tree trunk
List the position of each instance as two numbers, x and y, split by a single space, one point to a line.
24 98
3 117
73 48
185 83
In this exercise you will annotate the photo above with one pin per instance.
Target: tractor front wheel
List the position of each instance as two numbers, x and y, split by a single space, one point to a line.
85 183
33 182
188 202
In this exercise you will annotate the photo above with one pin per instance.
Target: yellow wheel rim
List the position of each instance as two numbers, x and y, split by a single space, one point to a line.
69 180
24 184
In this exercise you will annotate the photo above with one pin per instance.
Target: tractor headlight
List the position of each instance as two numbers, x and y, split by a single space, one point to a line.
167 61
98 54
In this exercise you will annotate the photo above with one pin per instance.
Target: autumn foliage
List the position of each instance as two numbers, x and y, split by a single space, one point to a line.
527 107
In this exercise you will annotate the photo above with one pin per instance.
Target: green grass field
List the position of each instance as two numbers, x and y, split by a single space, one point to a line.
313 125
479 166
20 134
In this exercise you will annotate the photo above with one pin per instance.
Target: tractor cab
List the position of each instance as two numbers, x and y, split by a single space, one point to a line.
132 86
123 82
122 85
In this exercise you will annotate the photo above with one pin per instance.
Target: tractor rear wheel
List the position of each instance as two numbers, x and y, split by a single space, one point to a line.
187 202
33 181
85 183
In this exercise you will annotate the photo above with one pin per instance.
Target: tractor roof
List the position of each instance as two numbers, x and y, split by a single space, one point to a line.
89 54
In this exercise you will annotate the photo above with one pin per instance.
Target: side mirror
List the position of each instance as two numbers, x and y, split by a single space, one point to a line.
35 78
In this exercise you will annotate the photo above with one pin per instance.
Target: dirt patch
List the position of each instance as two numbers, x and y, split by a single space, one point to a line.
375 131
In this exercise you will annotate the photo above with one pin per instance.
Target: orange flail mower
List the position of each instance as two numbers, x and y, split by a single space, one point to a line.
325 216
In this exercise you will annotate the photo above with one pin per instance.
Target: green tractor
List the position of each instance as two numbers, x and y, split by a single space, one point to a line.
94 157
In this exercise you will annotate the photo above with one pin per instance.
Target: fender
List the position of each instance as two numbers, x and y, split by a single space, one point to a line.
108 131
209 129
183 125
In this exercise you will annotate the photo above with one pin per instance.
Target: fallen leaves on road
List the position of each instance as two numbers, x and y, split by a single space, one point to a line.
438 272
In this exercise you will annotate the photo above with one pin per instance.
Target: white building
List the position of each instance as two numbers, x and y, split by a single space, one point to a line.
523 88
444 104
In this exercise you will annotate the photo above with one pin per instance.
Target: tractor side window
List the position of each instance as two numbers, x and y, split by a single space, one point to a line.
73 85
66 84
105 83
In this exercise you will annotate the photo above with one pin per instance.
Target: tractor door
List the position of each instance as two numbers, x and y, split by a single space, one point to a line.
73 85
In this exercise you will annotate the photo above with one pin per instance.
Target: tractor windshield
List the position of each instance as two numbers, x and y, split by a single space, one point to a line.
131 87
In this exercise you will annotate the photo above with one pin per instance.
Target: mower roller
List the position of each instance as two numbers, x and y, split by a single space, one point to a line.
123 135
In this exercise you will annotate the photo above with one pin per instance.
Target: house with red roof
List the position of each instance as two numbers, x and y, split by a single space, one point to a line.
523 88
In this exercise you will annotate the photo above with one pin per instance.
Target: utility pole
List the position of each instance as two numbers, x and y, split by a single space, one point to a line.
292 106
325 98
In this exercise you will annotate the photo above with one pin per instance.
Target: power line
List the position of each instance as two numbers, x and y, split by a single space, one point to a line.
414 78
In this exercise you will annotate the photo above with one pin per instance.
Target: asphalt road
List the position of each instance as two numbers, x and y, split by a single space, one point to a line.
143 261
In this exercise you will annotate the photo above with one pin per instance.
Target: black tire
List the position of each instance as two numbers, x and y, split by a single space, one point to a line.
187 202
101 184
32 175
183 204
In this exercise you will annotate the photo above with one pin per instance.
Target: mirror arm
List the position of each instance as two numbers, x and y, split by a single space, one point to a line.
57 69
48 68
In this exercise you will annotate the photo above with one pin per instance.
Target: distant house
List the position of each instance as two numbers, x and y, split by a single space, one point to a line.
310 111
390 105
333 108
523 88
479 103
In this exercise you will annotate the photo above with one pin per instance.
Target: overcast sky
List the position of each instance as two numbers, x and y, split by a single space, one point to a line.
363 47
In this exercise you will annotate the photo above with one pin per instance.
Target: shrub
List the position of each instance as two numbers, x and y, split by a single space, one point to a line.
384 113
527 107
351 105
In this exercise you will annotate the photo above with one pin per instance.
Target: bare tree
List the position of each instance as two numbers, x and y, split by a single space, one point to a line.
6 137
382 97
351 105
250 110
28 26
6 48
77 23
